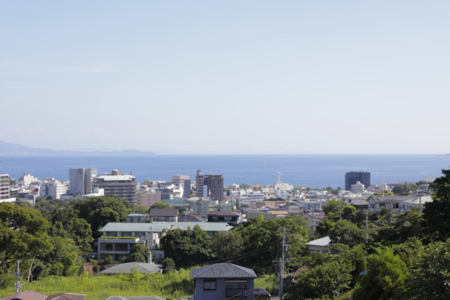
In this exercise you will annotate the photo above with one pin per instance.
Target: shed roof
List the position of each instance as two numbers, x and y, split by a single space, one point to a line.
66 296
223 270
126 267
224 213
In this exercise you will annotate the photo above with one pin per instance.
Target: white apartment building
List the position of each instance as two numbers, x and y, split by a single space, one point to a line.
27 179
358 187
52 188
252 198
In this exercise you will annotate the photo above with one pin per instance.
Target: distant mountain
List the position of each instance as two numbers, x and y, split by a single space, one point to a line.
14 149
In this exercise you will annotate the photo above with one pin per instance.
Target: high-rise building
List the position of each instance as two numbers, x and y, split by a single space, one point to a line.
199 183
81 180
215 186
209 185
183 181
117 184
186 189
353 177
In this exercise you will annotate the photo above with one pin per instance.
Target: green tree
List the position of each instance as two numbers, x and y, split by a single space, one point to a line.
408 225
187 247
99 211
325 280
324 227
436 214
23 233
262 241
139 209
387 273
347 233
227 244
160 205
430 276
141 249
137 257
168 265
401 189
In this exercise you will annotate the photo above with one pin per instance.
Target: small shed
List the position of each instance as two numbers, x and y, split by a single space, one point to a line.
320 245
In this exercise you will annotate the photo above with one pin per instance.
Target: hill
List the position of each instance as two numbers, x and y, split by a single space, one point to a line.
15 149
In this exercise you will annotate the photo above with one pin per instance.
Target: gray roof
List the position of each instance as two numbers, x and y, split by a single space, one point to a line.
390 199
359 202
133 227
134 298
223 271
126 267
163 212
205 226
323 242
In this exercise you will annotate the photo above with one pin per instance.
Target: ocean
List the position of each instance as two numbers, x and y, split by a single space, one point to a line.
315 171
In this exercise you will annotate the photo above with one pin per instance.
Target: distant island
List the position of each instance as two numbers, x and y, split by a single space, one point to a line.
15 149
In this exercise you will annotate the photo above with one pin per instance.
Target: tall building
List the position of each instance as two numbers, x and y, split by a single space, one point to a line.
81 180
183 181
209 185
147 198
5 185
214 185
353 177
117 184
199 183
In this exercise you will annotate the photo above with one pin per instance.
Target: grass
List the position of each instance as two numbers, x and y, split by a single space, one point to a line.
267 282
173 285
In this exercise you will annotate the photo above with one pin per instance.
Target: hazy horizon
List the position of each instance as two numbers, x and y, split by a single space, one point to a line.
226 77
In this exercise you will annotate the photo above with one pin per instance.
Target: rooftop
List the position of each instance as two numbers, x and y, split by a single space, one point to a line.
163 212
324 242
205 226
223 271
224 213
126 267
26 295
132 227
66 296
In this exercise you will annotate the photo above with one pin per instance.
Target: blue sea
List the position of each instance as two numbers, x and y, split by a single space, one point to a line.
315 171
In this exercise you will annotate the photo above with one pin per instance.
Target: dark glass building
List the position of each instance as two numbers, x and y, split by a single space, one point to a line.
353 177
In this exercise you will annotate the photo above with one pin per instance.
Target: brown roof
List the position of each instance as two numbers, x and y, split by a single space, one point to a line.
26 295
163 212
280 212
66 296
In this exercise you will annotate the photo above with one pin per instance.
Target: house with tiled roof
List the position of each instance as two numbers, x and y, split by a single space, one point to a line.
223 281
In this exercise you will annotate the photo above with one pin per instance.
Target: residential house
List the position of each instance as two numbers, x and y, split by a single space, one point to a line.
230 217
399 203
210 228
320 245
163 215
223 281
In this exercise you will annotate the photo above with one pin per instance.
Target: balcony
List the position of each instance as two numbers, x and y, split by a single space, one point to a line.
120 240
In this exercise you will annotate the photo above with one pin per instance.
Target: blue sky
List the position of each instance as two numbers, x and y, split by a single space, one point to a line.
226 76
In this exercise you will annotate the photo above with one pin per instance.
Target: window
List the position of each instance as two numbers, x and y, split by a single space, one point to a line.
209 284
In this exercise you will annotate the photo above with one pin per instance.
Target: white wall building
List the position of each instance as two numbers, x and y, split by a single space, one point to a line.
53 188
282 187
27 179
358 187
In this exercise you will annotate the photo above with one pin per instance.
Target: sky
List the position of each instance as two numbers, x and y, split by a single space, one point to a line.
227 76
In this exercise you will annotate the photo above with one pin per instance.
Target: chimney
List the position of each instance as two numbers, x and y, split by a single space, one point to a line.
149 257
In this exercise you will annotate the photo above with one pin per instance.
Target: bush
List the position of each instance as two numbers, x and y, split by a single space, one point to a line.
137 257
168 265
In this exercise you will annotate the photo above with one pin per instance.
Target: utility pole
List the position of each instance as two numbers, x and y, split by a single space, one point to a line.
367 226
282 262
18 284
